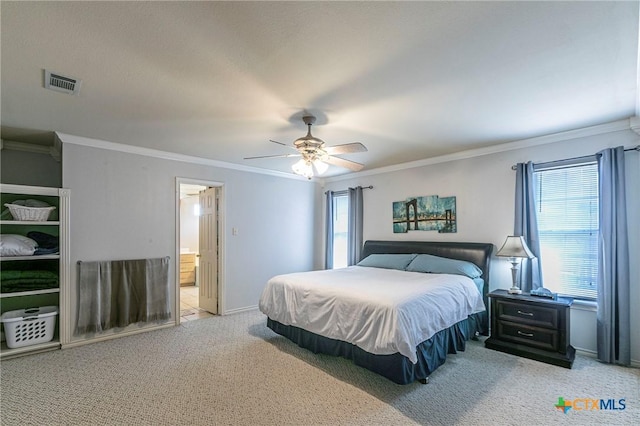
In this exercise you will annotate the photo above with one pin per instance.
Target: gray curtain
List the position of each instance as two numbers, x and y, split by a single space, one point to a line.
355 238
328 227
526 225
613 326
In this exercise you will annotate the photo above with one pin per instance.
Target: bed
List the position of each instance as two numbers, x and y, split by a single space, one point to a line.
377 313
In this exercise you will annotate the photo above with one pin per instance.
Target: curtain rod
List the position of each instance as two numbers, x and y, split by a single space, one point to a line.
633 148
345 190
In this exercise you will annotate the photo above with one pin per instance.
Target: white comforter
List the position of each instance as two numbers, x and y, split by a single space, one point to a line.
382 311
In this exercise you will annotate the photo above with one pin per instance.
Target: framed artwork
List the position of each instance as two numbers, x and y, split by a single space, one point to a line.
428 213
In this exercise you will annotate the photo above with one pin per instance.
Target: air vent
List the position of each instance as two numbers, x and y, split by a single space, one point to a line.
61 83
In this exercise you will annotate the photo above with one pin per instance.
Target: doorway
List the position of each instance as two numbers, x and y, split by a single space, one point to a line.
198 249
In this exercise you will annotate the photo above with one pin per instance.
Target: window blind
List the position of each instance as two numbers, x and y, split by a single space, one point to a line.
340 229
567 208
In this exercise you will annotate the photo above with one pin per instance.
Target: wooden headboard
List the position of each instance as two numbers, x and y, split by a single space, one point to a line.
477 253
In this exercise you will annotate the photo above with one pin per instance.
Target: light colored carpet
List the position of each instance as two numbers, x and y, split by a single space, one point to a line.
233 370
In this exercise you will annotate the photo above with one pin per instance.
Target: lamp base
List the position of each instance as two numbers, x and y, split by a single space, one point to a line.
514 290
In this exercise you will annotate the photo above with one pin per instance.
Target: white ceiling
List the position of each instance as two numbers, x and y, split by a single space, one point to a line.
410 80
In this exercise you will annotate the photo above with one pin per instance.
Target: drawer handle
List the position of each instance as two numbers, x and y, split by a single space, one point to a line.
526 313
525 334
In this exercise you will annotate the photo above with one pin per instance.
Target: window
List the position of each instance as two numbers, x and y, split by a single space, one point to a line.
567 208
340 229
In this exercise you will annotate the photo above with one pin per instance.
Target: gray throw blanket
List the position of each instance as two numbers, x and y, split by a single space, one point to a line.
121 292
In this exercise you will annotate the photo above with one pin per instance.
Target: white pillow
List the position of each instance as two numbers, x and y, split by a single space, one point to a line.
16 245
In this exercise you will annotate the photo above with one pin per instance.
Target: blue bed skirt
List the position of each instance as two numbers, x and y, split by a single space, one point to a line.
432 353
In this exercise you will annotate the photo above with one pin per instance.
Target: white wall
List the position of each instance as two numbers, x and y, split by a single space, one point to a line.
189 226
484 188
29 168
123 207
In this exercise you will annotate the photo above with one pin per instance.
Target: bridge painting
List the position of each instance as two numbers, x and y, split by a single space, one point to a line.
428 213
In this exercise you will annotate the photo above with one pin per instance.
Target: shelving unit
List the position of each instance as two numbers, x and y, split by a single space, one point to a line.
58 263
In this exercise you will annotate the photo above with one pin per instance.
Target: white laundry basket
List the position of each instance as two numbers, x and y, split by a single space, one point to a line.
31 326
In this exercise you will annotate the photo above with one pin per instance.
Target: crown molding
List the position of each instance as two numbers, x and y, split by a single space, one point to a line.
614 126
25 147
634 124
53 151
164 155
56 149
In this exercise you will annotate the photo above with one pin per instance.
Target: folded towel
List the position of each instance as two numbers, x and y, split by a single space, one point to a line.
13 281
45 241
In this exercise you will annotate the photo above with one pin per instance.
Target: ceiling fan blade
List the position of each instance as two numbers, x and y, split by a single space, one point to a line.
283 144
273 156
346 148
347 164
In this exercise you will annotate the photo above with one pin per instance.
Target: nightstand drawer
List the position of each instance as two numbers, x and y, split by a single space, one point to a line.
522 313
533 327
536 337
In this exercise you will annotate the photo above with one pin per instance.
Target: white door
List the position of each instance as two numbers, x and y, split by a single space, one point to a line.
208 268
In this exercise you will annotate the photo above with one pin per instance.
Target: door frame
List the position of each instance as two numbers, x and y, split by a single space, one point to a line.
221 242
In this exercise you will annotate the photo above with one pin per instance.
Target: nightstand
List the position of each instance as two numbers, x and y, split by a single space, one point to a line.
531 327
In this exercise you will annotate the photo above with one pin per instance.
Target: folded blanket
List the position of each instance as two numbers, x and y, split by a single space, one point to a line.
12 281
45 241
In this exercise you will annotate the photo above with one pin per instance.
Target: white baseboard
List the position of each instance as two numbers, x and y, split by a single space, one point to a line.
238 310
117 335
586 352
594 355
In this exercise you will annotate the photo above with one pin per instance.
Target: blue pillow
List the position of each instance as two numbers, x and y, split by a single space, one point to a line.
387 261
479 283
443 265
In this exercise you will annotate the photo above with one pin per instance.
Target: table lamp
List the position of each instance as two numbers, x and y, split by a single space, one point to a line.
515 249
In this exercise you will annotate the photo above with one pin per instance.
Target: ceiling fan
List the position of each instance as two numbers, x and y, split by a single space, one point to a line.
316 155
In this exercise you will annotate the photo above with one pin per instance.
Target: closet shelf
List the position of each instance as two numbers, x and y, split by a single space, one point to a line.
35 257
29 293
29 222
5 352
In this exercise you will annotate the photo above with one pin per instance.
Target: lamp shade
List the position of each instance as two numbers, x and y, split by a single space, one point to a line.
515 246
303 168
320 166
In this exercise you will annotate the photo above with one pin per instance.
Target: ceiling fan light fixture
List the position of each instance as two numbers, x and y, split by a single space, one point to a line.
320 166
303 168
